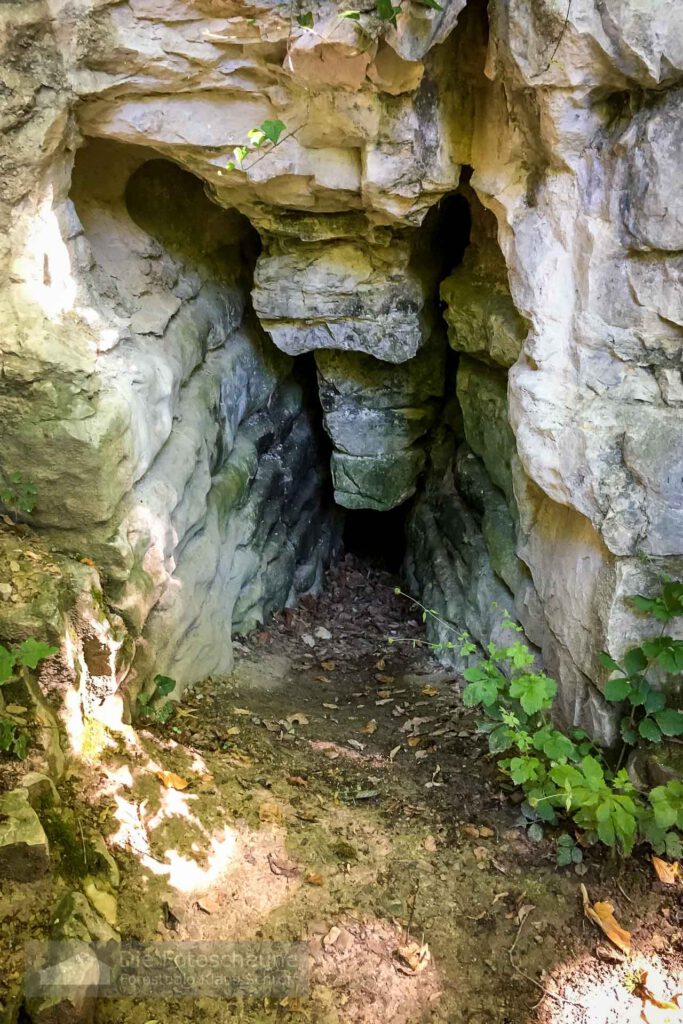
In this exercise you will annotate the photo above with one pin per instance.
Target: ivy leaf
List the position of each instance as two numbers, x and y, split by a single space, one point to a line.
628 734
533 692
535 833
649 730
430 3
640 689
617 689
608 662
387 12
558 746
670 722
655 701
524 769
273 130
484 691
500 739
31 652
667 804
350 15
305 19
593 772
7 660
164 685
635 661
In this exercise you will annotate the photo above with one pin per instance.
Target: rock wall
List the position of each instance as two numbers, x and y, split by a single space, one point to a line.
151 406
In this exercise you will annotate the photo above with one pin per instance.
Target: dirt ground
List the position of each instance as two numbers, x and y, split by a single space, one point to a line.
334 793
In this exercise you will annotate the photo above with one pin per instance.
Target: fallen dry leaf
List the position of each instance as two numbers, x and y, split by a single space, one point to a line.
234 730
381 664
297 718
296 780
285 870
609 955
313 878
667 873
412 958
270 810
430 844
241 711
327 666
641 990
172 781
331 707
472 831
485 832
394 751
382 678
429 691
369 727
331 936
602 914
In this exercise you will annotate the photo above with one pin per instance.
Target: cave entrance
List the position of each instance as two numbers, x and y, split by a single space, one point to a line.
377 538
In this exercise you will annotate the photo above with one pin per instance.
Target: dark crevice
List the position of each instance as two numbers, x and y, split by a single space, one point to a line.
378 538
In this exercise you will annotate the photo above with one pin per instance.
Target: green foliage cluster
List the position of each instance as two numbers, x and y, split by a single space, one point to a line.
152 705
268 132
18 496
562 773
14 738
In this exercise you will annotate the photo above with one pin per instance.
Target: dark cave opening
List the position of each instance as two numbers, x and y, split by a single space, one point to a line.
377 538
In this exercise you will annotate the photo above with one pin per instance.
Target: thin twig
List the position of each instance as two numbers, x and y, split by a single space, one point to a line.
519 932
546 991
624 894
557 44
267 152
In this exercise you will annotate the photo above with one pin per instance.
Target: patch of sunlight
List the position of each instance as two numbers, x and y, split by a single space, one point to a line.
173 804
187 876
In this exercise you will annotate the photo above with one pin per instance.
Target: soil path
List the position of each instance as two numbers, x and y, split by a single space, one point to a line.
339 797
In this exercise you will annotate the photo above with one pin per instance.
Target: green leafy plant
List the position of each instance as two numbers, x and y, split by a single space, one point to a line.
561 772
14 737
152 705
567 851
28 654
18 496
647 717
268 132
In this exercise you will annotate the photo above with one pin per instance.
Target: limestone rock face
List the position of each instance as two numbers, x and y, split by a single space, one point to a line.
24 851
155 305
378 415
341 295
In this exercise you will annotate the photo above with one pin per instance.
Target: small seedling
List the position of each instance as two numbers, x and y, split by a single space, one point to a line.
18 496
152 706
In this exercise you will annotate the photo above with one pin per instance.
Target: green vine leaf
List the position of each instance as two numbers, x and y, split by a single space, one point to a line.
31 652
670 722
617 689
649 730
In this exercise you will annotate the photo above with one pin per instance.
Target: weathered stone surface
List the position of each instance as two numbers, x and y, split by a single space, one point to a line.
482 393
377 415
341 295
65 986
481 316
448 564
24 850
